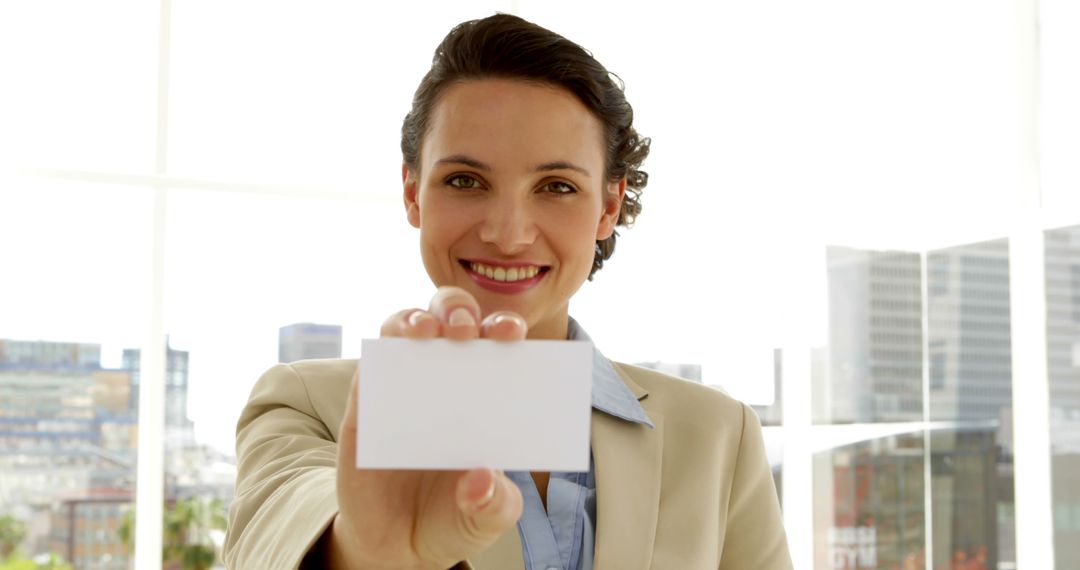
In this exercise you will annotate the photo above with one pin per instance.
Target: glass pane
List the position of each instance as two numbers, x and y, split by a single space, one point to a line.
1063 355
252 279
875 338
869 504
973 507
72 298
80 84
971 389
243 268
294 93
1059 45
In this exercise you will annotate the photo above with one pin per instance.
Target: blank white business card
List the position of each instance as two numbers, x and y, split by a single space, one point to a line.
441 404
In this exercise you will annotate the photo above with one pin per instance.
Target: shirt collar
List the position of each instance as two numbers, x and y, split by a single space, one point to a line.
609 394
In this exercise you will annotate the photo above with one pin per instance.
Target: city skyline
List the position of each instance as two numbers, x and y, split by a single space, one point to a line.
871 371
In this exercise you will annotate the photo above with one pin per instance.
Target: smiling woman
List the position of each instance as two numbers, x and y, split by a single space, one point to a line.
511 178
520 160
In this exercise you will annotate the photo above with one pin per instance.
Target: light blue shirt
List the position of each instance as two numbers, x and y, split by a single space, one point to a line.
562 537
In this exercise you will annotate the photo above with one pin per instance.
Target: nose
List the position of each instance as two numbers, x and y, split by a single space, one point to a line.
509 224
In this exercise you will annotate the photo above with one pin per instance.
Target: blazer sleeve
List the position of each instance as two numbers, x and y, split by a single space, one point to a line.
286 494
286 464
755 535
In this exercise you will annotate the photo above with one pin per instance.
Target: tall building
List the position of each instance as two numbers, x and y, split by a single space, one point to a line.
179 430
68 448
875 338
970 344
875 374
303 341
1063 321
970 382
85 530
1063 355
65 428
46 354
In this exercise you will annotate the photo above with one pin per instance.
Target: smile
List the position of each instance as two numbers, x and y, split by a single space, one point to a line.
505 279
519 273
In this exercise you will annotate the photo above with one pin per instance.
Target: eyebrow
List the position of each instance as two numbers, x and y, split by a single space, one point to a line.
561 165
467 161
546 167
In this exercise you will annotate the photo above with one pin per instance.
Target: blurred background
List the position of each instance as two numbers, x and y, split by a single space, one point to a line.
874 205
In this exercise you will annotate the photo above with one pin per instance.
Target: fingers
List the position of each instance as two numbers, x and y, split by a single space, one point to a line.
411 323
455 314
458 312
504 325
489 503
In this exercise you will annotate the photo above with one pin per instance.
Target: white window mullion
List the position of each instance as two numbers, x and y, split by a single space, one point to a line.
928 442
1031 406
150 476
798 472
1027 292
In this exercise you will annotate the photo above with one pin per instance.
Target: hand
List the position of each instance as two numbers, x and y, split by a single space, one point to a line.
422 519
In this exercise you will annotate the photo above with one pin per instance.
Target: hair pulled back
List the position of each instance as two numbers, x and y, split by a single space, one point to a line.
508 47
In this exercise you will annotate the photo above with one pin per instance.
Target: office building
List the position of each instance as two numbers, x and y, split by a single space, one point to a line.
1063 356
65 428
85 530
179 431
304 341
875 374
875 338
45 354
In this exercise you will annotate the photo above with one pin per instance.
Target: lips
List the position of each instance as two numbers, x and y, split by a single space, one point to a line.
502 277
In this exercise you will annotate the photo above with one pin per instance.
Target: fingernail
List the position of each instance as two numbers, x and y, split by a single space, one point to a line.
417 316
488 496
461 317
502 318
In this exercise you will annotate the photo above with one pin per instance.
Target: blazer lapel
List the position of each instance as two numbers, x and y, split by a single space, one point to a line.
627 458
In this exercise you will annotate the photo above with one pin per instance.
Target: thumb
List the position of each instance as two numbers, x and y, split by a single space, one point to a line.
489 504
347 429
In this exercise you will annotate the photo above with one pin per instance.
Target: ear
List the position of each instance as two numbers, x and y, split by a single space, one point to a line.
614 193
411 195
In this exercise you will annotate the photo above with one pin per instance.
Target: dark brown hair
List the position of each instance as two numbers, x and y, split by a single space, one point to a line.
505 46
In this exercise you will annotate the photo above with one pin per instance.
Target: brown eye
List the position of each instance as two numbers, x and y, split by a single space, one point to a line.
462 181
560 188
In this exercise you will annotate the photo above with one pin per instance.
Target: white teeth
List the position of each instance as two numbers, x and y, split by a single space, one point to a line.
504 274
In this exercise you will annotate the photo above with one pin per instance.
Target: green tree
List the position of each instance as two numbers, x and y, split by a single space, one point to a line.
19 563
187 526
12 533
54 563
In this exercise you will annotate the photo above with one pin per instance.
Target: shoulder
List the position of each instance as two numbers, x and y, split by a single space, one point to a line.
318 388
305 378
324 370
681 399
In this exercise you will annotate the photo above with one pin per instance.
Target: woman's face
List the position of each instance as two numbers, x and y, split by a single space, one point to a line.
511 197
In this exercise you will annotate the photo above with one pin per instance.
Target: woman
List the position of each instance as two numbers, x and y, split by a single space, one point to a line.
520 159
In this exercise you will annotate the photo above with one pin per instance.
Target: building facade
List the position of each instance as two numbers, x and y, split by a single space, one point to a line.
304 341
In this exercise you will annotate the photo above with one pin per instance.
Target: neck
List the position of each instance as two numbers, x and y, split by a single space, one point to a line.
555 328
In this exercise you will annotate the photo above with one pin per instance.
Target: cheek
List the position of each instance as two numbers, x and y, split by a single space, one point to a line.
443 222
576 232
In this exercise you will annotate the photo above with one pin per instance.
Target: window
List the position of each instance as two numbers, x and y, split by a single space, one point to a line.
828 193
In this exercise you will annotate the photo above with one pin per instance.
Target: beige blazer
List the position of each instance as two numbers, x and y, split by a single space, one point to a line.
695 492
